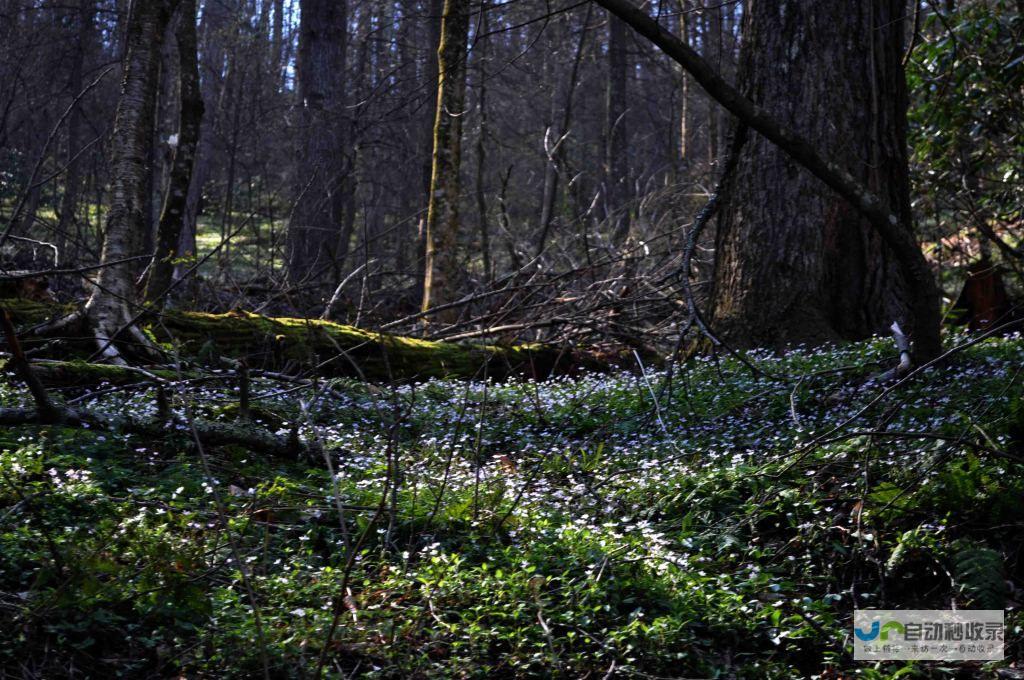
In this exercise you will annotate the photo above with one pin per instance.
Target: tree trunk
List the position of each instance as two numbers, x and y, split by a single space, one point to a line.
794 262
617 181
889 221
557 144
161 151
684 89
435 12
73 178
214 34
277 44
28 213
712 41
108 305
318 215
481 157
442 262
190 116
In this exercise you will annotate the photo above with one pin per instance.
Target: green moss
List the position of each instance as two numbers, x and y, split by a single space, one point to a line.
339 350
80 373
292 344
29 312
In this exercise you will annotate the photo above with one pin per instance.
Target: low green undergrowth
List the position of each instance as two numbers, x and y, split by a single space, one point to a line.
723 525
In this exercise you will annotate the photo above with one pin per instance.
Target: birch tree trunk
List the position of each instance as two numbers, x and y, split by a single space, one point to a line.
108 307
684 88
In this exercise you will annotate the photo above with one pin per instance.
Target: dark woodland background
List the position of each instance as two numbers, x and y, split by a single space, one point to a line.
585 155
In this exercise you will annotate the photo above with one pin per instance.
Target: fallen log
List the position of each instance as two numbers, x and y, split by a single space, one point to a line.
80 373
208 432
295 346
49 412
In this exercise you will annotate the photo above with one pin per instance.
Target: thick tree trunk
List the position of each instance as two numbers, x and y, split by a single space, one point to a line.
794 262
442 262
114 290
888 222
317 220
190 116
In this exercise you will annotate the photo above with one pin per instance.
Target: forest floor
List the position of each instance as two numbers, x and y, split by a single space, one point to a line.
599 526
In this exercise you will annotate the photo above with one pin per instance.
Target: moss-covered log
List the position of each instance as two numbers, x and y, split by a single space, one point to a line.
299 345
79 373
208 433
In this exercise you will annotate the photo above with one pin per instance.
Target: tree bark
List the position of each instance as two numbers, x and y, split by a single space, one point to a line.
435 13
796 263
442 262
922 300
617 180
190 116
160 155
213 32
317 220
712 41
557 149
481 157
684 88
114 290
277 61
73 178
